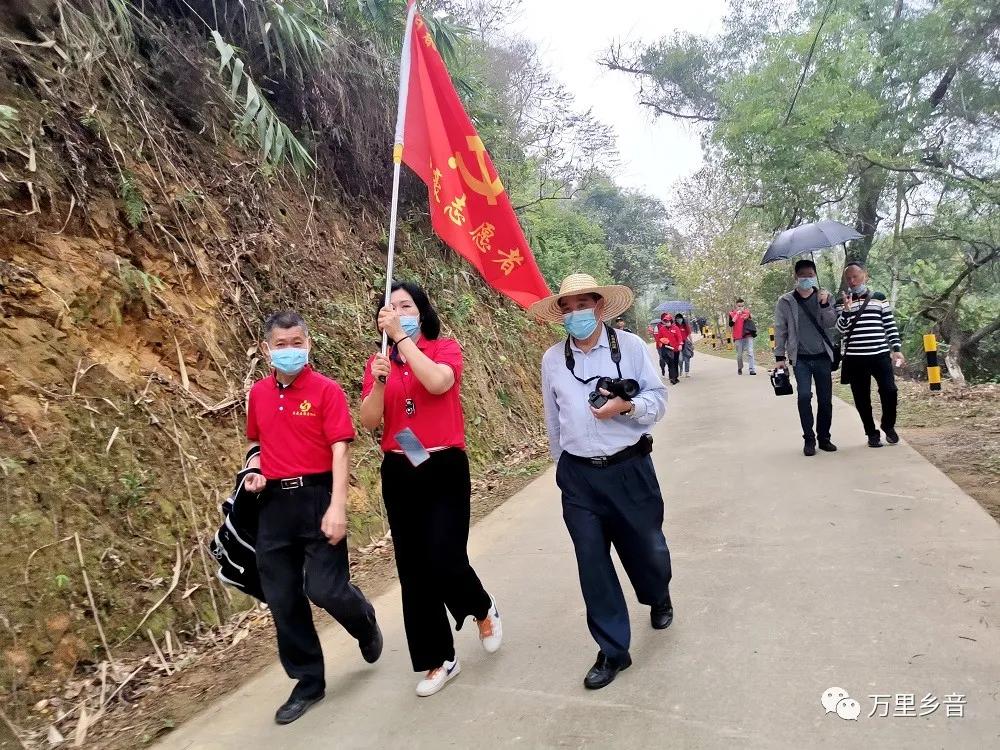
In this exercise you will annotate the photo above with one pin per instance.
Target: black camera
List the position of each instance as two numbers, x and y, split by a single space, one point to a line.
623 388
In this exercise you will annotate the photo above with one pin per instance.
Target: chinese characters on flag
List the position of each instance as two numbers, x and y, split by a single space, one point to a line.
469 207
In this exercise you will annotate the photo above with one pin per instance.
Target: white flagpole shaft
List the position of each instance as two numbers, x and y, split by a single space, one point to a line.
397 156
392 245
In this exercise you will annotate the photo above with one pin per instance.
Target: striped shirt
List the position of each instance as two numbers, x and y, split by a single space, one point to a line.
875 331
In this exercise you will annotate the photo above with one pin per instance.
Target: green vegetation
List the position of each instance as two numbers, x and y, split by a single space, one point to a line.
880 114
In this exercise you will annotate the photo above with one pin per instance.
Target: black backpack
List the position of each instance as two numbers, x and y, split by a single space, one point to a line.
234 542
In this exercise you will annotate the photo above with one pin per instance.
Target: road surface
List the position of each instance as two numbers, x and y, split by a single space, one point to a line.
866 570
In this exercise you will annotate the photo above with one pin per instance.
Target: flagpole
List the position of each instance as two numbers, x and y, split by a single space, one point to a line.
397 156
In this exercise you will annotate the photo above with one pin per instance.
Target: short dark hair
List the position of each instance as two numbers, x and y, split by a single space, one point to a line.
430 323
857 263
284 319
739 300
804 263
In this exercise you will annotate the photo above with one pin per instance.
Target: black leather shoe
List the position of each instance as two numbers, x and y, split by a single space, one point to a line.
371 649
826 445
809 448
874 441
293 709
891 436
661 615
604 671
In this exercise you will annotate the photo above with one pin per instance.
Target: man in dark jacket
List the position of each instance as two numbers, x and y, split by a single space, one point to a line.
801 320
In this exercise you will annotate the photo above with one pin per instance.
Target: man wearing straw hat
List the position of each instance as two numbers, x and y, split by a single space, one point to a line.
602 395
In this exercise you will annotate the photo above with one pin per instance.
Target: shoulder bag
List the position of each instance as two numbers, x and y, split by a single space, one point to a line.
819 328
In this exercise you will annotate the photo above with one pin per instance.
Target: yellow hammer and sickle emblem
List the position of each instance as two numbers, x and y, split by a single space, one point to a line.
482 184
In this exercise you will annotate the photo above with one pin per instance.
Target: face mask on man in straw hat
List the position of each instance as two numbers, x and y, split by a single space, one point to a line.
582 304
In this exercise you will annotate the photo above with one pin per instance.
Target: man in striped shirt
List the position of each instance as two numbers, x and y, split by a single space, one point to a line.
871 348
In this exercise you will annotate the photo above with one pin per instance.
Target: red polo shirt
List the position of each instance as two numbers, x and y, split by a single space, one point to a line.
296 425
437 420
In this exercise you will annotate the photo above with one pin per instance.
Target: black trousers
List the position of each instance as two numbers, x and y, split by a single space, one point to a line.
297 565
807 370
860 372
618 505
673 363
428 508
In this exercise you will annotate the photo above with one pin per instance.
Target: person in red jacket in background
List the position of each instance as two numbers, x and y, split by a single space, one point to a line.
669 340
687 346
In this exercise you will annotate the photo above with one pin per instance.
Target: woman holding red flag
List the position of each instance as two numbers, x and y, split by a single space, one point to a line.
413 393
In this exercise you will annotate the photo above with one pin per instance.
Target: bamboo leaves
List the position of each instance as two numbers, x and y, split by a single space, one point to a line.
257 119
293 29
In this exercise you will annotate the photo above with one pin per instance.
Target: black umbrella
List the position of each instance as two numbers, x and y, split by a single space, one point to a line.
808 237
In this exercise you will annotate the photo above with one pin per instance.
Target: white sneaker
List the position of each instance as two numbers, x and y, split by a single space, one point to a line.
490 629
438 678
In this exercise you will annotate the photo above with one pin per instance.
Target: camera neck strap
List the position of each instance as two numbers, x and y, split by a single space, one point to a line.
616 356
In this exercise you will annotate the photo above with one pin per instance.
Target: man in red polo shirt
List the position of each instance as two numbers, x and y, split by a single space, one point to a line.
302 423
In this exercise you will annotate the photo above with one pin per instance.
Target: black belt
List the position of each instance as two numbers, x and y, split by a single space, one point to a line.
307 480
642 448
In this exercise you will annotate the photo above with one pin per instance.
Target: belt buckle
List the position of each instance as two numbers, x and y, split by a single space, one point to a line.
600 462
292 484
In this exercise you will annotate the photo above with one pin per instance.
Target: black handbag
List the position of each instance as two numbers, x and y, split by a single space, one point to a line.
749 328
826 339
781 383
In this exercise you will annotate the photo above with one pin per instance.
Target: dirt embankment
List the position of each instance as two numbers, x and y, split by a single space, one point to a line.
140 249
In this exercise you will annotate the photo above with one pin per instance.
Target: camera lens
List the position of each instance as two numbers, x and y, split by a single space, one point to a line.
629 389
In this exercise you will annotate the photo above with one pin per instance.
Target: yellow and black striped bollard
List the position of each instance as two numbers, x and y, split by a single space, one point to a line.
770 333
933 368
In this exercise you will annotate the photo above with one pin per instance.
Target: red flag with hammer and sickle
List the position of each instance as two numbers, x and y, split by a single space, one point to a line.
469 207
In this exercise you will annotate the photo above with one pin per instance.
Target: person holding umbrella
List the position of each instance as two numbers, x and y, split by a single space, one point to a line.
687 346
801 321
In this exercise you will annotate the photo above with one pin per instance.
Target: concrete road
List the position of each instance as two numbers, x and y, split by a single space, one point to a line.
867 570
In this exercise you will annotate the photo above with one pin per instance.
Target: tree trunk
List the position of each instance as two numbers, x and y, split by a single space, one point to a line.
870 189
951 360
897 230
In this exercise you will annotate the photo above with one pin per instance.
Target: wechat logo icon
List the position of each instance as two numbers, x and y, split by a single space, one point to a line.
836 700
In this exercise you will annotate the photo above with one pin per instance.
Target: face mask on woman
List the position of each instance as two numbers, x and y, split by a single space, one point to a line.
289 361
806 283
410 323
580 324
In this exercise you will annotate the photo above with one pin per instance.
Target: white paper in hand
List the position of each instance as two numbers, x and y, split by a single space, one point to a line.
411 446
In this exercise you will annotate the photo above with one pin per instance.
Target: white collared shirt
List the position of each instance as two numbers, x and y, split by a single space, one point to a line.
569 421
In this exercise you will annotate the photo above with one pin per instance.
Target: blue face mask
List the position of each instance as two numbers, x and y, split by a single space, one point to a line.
859 289
580 324
806 283
410 323
290 361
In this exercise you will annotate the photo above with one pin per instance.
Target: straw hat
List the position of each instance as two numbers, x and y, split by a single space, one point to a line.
617 298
